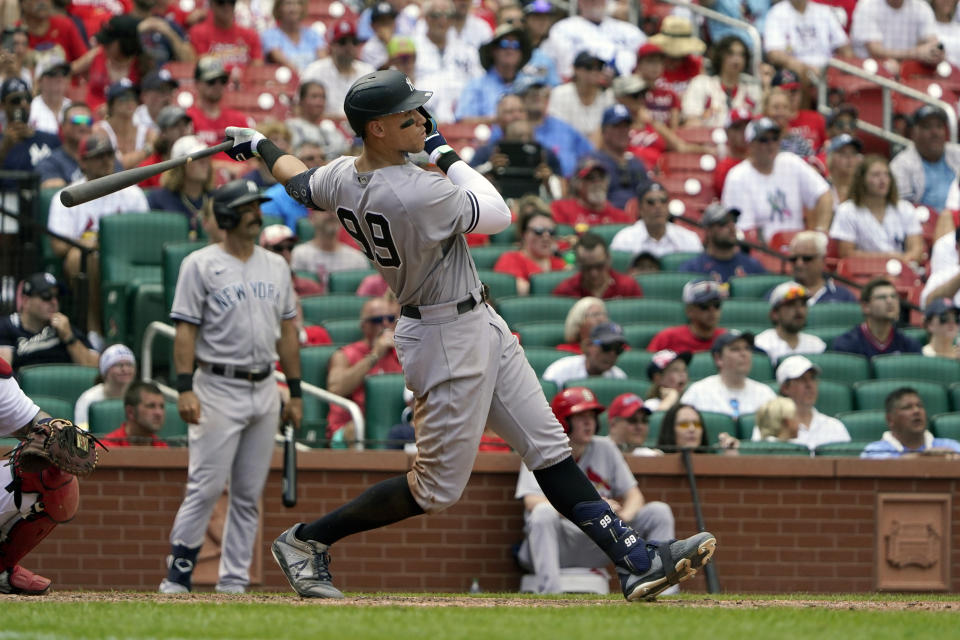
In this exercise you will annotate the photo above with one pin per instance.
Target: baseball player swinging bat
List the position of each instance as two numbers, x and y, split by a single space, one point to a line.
85 192
289 466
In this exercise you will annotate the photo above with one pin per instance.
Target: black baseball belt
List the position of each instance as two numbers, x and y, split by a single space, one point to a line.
240 374
463 306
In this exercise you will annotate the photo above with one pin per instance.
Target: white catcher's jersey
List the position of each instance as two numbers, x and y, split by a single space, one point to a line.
238 305
409 223
16 409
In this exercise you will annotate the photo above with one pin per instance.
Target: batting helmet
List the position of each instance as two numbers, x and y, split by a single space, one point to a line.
231 196
572 401
381 93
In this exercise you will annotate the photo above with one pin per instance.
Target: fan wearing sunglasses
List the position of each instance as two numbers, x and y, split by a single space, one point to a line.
601 349
807 252
595 276
788 315
369 356
703 300
538 247
722 258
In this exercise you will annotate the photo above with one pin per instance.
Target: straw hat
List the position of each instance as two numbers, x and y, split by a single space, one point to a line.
676 38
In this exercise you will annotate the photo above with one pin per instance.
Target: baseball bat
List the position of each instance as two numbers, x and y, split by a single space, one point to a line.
289 466
713 583
85 192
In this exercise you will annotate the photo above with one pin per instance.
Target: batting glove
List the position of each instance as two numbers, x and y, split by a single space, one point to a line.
245 143
431 123
436 145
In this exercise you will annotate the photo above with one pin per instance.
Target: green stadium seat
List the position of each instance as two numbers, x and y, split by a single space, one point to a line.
621 260
305 230
340 306
506 238
701 366
344 331
761 370
346 281
385 412
549 389
834 314
773 448
866 425
502 285
271 220
654 434
635 361
945 425
56 407
607 231
543 284
306 275
841 367
954 391
739 314
755 286
524 309
745 425
841 449
633 310
606 389
915 366
173 255
108 415
50 261
871 394
64 381
834 397
917 333
717 423
542 357
827 334
639 334
313 369
666 284
540 334
148 306
672 261
486 257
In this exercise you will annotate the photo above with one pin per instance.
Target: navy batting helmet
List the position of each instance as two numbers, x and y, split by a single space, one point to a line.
572 401
381 93
232 195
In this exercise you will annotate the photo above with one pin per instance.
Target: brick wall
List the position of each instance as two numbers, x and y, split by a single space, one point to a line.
783 524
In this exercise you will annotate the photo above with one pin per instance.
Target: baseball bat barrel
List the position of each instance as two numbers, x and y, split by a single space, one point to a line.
713 582
289 466
85 192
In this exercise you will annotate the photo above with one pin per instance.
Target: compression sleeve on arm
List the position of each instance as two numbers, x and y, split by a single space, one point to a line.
494 214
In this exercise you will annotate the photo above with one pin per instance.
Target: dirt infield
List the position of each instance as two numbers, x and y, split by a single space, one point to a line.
439 600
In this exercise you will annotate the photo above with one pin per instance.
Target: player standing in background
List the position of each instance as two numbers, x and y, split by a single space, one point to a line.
235 310
464 366
31 504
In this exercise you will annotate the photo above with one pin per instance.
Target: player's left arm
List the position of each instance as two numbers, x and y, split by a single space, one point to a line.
288 348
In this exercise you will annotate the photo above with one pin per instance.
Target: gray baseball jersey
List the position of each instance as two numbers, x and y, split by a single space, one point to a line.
409 222
239 305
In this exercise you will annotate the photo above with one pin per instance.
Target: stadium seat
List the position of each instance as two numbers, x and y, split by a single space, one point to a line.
954 391
606 389
523 309
917 333
666 284
50 261
632 310
841 449
347 281
756 286
736 314
717 423
320 309
635 361
841 367
305 230
780 241
834 397
486 257
672 261
273 77
55 406
306 275
313 368
947 425
762 370
540 334
621 261
344 331
865 425
542 357
827 334
549 389
502 285
505 239
916 367
773 448
543 284
871 394
64 381
108 415
862 269
173 255
385 412
607 231
701 366
639 334
834 314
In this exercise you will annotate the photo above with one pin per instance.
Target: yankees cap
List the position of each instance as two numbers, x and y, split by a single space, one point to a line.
171 115
158 80
717 213
40 283
757 128
11 86
93 146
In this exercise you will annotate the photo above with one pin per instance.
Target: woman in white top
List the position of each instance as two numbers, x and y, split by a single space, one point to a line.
948 29
709 98
117 368
133 142
875 221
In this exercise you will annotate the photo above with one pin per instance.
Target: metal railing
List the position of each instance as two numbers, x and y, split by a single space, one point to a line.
886 86
157 328
751 31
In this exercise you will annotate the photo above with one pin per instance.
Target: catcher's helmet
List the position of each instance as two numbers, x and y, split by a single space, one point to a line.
574 400
381 93
232 195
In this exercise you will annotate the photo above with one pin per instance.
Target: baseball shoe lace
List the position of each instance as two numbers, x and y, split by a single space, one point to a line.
306 564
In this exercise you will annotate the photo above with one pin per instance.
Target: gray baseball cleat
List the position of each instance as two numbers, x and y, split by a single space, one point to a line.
305 564
171 587
670 563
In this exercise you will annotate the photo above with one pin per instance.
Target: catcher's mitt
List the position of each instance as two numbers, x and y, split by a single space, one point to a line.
57 442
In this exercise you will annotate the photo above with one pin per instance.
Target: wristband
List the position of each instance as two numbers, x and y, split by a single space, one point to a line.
294 385
184 382
269 152
445 158
72 339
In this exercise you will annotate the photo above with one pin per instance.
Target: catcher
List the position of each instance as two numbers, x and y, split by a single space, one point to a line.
38 486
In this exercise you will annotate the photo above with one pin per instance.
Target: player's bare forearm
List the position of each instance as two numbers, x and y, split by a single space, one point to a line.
286 167
288 348
22 432
631 502
184 347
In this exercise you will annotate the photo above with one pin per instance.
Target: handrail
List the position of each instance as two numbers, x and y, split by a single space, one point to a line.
887 86
756 54
156 328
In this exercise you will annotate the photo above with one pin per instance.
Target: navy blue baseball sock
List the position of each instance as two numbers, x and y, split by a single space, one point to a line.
382 504
571 493
182 561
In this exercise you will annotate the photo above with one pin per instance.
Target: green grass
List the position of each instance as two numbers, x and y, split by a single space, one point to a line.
275 616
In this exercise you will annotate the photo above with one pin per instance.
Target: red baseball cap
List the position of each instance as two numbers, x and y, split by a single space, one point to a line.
343 28
626 405
649 49
737 117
